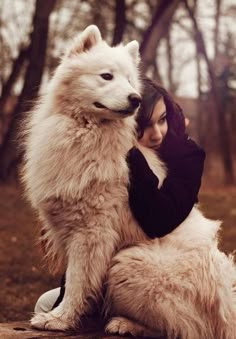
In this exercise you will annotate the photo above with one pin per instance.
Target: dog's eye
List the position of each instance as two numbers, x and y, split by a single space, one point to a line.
107 76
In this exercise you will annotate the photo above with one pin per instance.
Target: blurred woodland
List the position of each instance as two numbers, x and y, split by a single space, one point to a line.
187 45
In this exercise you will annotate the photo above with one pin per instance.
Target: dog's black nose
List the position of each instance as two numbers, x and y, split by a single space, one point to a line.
134 99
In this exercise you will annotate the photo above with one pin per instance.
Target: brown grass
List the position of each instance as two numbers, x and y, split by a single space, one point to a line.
22 275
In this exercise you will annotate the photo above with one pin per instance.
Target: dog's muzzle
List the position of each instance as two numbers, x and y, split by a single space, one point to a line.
134 102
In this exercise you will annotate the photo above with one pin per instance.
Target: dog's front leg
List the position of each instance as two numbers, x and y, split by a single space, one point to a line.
89 255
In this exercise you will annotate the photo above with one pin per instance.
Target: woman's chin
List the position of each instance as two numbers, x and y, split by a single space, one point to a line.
155 147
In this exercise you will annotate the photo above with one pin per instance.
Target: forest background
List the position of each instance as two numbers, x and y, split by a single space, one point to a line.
187 45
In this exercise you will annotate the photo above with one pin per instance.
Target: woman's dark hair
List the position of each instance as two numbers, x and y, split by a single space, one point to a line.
151 94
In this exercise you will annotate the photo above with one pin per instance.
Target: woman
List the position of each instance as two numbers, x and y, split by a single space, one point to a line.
161 126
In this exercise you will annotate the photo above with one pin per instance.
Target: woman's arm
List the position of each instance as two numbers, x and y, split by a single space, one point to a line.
159 211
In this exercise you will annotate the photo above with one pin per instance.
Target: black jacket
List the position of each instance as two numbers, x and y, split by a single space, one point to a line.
159 211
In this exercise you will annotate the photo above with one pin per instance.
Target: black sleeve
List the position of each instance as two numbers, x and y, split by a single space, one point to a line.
159 211
62 292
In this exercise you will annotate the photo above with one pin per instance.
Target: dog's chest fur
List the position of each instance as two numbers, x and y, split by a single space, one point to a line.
101 158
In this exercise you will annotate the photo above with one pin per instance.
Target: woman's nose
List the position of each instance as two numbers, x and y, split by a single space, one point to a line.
156 133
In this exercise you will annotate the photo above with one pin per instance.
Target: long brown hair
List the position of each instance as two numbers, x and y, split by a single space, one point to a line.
152 93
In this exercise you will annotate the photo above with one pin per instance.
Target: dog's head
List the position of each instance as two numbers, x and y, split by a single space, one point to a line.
97 79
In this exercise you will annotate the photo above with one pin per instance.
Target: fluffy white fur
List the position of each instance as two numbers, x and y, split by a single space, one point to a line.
76 177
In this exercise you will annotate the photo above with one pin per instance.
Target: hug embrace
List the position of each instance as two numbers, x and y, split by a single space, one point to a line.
120 211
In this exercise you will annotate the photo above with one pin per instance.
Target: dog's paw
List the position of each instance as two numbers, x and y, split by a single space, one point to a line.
52 321
122 326
118 325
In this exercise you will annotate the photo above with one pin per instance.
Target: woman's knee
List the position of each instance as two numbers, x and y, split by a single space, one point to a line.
46 301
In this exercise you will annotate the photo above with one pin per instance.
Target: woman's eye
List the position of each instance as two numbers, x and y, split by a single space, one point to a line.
162 120
107 76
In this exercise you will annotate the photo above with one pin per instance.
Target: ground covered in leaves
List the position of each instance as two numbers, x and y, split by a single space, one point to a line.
23 275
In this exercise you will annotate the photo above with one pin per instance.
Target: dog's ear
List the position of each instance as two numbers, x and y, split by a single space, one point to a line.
86 40
133 49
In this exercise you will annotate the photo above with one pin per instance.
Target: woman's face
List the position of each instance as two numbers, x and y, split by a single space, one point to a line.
157 127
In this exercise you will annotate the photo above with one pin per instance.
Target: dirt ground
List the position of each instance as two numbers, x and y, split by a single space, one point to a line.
23 275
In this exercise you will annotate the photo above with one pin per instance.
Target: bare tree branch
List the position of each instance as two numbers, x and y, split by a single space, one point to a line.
157 30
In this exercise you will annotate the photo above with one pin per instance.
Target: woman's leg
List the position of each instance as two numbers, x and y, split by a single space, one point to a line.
47 300
51 299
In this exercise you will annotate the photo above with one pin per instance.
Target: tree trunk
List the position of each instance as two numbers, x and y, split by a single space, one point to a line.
98 17
216 32
157 30
120 22
9 153
7 86
201 120
170 62
224 143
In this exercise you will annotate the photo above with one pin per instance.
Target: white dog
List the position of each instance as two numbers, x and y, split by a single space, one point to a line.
76 178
